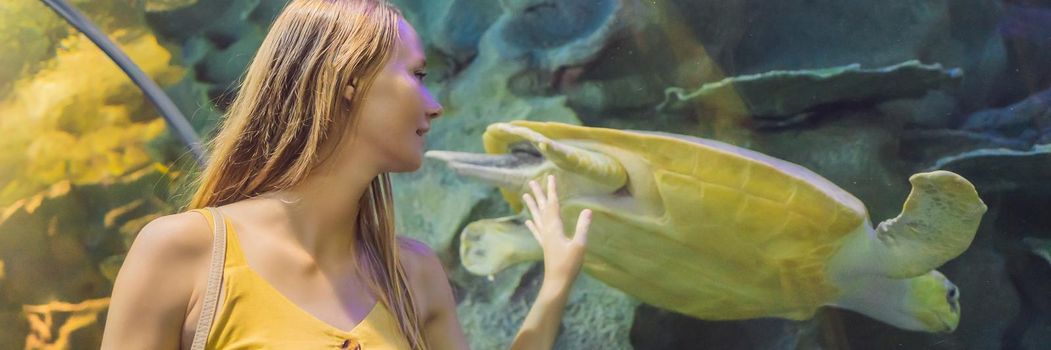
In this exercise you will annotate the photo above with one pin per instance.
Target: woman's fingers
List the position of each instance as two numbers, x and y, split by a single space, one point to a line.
551 193
531 205
532 228
563 255
541 200
583 222
546 214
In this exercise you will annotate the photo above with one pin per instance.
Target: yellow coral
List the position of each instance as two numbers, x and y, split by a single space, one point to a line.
80 118
41 320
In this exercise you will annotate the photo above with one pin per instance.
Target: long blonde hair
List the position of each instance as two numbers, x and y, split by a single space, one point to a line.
290 112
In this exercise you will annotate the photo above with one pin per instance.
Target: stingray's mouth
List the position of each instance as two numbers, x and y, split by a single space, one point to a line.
526 151
943 325
508 170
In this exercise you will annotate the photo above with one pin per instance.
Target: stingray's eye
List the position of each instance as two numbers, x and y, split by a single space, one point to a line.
953 298
525 148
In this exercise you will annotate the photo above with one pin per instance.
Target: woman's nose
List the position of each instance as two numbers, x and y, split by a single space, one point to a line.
434 109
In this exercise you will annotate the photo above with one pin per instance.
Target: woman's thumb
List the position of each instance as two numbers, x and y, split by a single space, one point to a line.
583 222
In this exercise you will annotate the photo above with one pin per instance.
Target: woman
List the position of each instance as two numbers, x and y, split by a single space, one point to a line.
332 103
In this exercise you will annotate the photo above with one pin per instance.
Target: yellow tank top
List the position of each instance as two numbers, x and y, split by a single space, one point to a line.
254 315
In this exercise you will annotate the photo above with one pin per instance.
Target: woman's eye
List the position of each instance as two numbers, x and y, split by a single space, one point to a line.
421 75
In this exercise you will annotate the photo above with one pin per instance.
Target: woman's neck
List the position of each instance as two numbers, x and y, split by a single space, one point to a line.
321 212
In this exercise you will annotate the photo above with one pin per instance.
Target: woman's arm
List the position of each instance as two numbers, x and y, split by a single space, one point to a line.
152 291
541 324
562 260
441 326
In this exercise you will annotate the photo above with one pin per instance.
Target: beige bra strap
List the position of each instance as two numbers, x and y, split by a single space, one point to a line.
215 277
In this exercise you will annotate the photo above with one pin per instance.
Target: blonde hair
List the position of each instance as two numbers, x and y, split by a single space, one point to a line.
290 112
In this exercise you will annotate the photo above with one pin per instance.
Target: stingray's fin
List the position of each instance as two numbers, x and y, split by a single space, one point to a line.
491 245
937 223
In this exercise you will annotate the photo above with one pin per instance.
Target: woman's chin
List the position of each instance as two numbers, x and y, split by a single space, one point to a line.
410 165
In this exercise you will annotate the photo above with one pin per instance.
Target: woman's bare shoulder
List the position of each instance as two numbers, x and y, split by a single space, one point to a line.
155 284
427 276
414 246
436 295
174 247
185 234
172 250
417 257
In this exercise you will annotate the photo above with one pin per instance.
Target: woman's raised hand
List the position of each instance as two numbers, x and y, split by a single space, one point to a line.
563 255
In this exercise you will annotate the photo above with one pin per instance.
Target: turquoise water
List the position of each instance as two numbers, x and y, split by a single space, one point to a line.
861 93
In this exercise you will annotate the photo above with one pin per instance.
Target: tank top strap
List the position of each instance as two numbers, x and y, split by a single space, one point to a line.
234 256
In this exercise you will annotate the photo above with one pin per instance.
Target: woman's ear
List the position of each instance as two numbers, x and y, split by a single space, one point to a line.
348 93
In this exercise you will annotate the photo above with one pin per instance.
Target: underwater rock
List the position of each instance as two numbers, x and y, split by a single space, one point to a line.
555 40
1015 140
982 273
632 92
596 316
488 309
801 240
1040 247
1028 121
1031 276
778 95
1013 288
554 34
1038 333
217 21
167 5
1015 169
453 27
215 37
936 110
657 50
661 329
224 66
551 38
1024 27
801 34
926 146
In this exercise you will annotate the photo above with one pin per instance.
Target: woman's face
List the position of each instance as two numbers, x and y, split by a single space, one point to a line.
397 111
